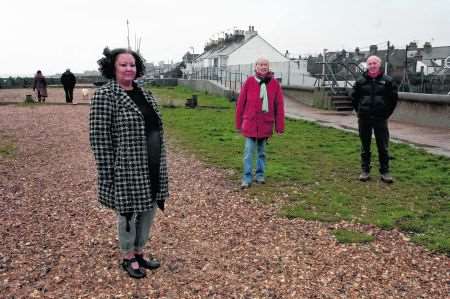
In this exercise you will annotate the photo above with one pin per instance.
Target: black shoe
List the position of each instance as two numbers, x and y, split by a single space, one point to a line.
135 273
147 264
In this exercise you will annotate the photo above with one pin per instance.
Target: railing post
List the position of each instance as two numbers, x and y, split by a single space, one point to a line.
289 73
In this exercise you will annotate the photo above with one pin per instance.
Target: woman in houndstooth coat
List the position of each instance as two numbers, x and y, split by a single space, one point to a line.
126 136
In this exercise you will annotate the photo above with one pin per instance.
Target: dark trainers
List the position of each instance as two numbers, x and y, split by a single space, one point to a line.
151 264
135 273
364 176
387 178
260 181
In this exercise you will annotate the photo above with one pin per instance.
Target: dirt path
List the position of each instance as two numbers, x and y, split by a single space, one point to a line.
214 242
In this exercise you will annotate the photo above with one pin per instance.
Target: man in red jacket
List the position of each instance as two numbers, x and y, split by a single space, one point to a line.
260 109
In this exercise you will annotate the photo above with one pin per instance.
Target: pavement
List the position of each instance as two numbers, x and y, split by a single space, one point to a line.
431 139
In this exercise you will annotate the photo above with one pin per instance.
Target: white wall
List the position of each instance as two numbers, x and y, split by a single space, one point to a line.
252 50
290 72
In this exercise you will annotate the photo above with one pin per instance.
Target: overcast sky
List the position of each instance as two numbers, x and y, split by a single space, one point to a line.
55 35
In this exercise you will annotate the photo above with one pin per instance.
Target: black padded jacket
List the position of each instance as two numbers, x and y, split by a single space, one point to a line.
374 97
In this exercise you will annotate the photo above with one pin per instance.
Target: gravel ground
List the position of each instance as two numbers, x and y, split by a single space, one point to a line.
213 240
55 94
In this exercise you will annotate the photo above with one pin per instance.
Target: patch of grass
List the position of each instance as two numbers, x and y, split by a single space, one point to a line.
314 170
27 104
177 95
7 148
348 236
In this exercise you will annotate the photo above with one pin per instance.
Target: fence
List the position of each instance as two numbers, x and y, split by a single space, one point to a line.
289 73
229 79
27 82
294 73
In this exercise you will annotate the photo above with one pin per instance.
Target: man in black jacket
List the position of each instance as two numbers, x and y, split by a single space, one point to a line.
68 81
374 100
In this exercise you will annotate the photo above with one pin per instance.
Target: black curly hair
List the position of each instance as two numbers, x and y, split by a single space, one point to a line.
106 63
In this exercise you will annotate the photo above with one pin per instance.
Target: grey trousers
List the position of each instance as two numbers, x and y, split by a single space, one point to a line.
139 232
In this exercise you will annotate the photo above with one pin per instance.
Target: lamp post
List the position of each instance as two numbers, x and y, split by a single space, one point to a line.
323 66
404 85
128 34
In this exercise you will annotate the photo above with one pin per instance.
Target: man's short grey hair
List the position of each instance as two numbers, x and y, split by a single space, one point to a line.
374 57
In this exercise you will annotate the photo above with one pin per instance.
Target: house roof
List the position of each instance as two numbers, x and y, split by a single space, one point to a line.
227 48
435 53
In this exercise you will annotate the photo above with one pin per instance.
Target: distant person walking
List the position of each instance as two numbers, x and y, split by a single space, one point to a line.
68 80
374 99
259 110
126 136
40 86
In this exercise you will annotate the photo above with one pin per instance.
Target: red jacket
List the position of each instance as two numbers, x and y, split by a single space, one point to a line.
250 120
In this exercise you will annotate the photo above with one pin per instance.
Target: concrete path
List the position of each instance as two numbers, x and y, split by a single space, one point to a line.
431 139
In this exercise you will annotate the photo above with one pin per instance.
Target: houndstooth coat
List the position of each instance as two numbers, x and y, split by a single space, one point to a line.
118 140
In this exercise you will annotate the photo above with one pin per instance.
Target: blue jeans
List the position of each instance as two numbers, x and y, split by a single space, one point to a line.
250 144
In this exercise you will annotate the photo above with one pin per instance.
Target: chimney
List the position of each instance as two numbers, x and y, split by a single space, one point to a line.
251 31
412 46
427 47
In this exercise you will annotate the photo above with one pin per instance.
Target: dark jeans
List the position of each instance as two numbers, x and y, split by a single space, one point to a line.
381 131
69 94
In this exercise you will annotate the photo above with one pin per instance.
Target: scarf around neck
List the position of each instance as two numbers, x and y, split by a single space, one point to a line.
262 81
374 75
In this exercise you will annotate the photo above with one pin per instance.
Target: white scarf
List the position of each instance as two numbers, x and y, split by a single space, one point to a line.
263 95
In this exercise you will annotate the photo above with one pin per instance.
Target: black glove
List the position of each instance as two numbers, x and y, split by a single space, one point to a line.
160 204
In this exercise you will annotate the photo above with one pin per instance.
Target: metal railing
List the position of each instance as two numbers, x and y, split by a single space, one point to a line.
289 73
231 80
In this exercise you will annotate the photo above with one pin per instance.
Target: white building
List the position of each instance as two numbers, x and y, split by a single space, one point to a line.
236 53
238 48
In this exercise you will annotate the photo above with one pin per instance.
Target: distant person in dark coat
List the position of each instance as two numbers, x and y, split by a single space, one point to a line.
374 99
68 80
126 136
40 86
